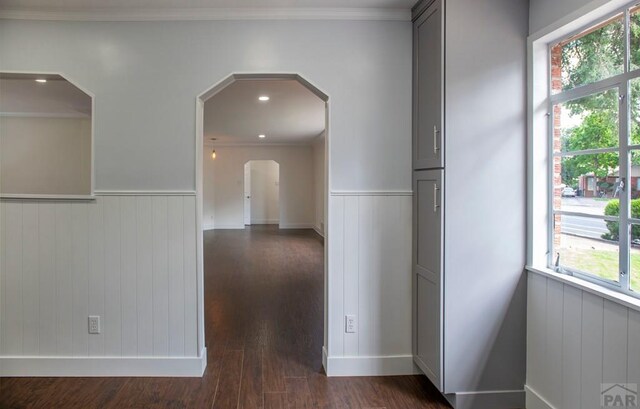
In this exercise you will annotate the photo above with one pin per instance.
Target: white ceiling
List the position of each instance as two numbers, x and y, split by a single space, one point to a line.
235 115
181 4
21 95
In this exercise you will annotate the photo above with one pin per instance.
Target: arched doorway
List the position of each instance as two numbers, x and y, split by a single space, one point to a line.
219 148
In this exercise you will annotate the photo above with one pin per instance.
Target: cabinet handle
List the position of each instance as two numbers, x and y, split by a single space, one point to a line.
435 198
435 139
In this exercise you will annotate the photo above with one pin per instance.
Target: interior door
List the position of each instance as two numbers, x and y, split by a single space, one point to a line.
428 272
247 194
428 89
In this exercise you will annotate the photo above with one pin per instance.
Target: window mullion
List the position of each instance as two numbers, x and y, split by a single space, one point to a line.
625 196
627 41
550 194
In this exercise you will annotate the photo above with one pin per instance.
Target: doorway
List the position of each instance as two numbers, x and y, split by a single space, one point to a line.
261 192
271 250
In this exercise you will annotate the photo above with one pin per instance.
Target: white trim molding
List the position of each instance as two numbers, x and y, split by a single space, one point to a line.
144 193
42 115
325 358
488 399
210 144
296 225
103 366
20 196
371 193
265 221
369 365
535 401
207 14
225 227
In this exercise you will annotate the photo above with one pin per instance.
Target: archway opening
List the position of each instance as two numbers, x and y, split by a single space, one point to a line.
262 207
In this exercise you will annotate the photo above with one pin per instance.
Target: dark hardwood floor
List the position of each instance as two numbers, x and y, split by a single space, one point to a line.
264 320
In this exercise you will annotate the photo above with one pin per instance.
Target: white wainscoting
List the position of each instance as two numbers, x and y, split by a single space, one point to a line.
131 259
370 277
577 340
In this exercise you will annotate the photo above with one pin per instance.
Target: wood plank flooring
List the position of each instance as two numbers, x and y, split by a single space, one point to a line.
264 322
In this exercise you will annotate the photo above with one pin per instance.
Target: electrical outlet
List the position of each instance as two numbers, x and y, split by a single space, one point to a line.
94 324
350 324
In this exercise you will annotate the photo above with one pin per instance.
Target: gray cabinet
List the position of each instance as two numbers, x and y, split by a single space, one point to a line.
428 153
427 273
469 113
428 132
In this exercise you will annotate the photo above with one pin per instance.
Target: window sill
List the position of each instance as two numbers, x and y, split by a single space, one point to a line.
17 196
619 298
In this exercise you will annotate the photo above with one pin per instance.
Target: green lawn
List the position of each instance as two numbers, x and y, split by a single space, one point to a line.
602 263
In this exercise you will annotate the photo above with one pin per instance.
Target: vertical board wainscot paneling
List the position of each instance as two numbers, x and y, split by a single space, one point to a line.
47 278
112 320
129 259
97 283
176 276
30 279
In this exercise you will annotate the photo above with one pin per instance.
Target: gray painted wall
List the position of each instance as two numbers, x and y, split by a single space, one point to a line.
543 13
146 76
485 290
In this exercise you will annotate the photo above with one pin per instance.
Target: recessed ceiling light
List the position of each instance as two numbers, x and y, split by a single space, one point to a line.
262 136
263 98
41 80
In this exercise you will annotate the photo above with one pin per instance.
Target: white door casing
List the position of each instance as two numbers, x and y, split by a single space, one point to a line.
247 194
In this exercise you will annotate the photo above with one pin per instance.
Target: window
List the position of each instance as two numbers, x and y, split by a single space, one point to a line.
45 137
594 151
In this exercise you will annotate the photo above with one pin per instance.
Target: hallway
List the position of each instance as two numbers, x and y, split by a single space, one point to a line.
264 296
264 318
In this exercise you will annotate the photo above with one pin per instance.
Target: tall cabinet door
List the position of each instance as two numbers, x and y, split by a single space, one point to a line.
428 135
427 273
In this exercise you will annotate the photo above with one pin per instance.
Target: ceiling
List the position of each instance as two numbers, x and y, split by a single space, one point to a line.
293 113
61 5
21 95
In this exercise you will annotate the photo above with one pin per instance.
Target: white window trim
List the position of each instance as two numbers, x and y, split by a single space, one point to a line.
539 152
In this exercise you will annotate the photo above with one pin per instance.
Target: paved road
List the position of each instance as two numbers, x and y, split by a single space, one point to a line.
584 227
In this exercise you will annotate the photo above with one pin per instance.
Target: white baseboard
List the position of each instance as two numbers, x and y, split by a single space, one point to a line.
488 399
317 229
369 365
228 227
103 366
265 221
324 359
535 401
296 225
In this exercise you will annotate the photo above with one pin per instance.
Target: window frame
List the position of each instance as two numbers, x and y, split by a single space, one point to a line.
621 83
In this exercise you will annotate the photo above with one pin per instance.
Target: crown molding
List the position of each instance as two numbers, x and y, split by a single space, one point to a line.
144 193
254 144
371 193
204 14
63 115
